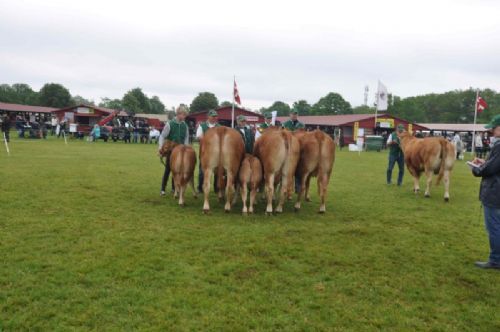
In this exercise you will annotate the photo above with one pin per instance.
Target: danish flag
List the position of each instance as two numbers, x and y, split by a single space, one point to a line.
236 94
481 104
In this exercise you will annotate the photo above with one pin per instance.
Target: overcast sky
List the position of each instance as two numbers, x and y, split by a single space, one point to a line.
278 50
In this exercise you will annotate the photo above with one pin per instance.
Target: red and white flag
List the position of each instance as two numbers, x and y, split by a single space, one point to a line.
236 94
481 104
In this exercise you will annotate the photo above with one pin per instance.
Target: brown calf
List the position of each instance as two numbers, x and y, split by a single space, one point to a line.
221 148
278 151
317 155
429 155
250 177
182 164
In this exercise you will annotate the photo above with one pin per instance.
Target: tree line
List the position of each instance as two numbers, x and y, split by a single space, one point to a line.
57 96
455 106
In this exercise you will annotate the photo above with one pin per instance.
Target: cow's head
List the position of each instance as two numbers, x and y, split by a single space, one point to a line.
167 147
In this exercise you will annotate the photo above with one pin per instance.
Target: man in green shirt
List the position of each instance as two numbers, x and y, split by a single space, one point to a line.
177 131
202 128
293 123
263 126
246 133
395 156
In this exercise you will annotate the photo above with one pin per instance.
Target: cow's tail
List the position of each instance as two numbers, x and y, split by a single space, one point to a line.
444 156
220 167
182 154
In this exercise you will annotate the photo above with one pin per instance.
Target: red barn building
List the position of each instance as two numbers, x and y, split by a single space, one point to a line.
85 116
224 116
351 123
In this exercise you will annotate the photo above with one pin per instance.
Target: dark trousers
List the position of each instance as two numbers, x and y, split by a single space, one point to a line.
7 135
166 174
298 184
492 223
393 159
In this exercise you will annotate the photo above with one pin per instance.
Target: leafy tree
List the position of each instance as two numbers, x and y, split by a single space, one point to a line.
302 107
54 95
79 100
280 107
131 104
115 104
24 94
18 93
332 104
226 103
136 101
157 107
363 109
204 101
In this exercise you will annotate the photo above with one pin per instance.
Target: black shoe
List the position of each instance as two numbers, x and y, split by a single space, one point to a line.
487 265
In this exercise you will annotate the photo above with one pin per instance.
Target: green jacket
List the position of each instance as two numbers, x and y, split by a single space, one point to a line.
395 149
178 131
290 125
248 138
205 127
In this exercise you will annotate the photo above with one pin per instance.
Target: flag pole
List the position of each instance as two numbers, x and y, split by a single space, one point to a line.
232 111
474 128
6 144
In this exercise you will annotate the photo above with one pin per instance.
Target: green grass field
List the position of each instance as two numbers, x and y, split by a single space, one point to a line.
87 243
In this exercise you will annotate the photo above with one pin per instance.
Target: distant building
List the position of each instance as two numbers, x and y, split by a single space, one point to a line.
25 110
351 123
85 116
224 116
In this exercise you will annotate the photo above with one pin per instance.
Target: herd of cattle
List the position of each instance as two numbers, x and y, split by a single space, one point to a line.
278 157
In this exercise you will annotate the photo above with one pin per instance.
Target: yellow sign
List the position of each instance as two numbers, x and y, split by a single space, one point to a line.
355 133
410 128
386 123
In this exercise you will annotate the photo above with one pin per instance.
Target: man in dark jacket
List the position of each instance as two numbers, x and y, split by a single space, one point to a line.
6 127
489 194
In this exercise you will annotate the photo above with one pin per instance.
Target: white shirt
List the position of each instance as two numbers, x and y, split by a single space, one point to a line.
479 141
154 133
199 130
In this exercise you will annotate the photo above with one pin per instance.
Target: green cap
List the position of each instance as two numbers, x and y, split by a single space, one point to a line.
401 127
495 122
294 111
268 115
241 117
212 113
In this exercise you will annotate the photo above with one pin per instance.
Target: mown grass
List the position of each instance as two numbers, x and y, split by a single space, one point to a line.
87 243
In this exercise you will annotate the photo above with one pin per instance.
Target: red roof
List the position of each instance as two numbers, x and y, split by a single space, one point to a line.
344 119
329 120
101 109
25 108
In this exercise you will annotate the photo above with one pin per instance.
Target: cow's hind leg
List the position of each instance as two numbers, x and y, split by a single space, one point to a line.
308 182
207 175
244 195
322 188
269 193
285 182
428 180
253 193
229 191
191 184
446 180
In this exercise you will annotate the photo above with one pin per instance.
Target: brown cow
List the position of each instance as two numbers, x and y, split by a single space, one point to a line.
278 151
429 155
250 177
317 155
182 164
221 148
